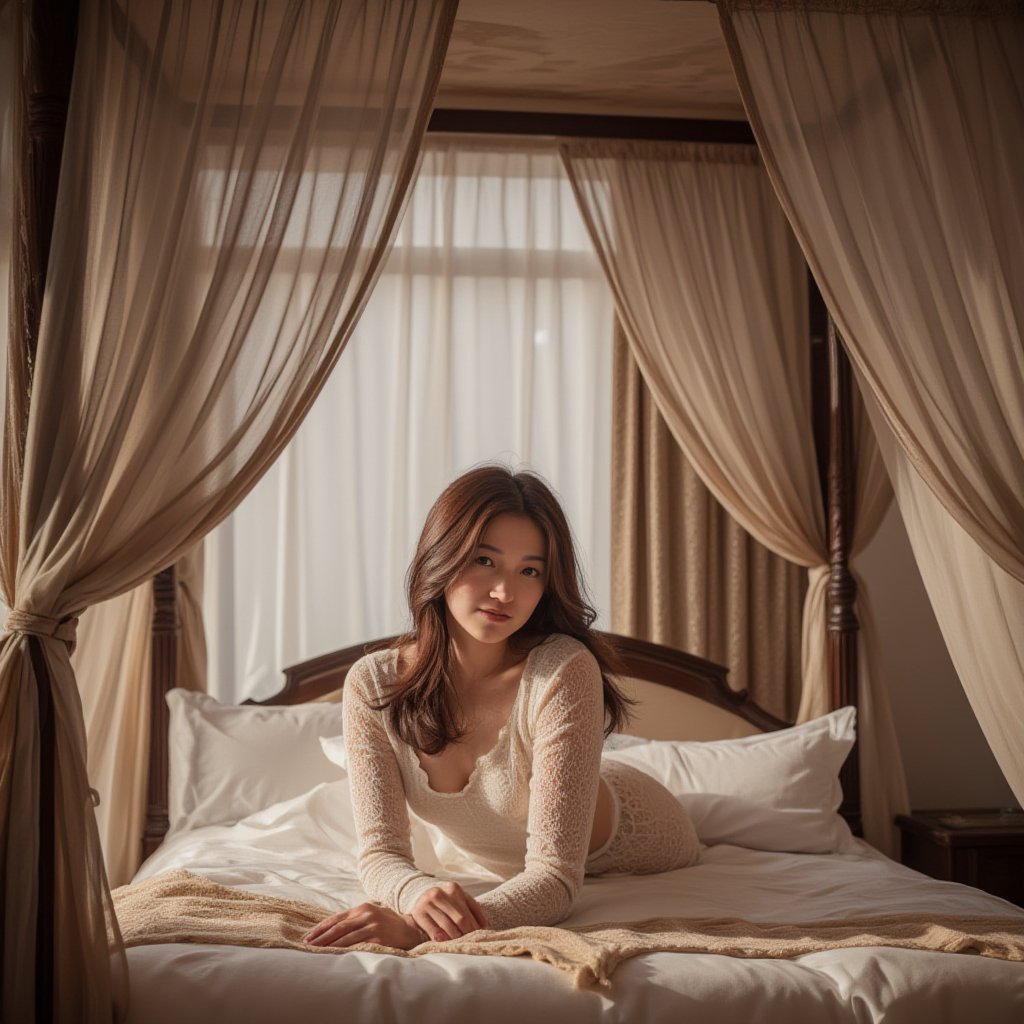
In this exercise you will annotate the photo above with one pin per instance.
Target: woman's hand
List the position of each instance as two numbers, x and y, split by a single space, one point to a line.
447 911
368 922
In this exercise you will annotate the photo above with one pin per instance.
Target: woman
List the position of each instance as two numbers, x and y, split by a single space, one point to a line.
488 720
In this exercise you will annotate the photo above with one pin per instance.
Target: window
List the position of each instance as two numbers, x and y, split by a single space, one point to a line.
487 338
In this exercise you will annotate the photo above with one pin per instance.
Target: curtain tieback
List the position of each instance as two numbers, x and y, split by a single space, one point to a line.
29 624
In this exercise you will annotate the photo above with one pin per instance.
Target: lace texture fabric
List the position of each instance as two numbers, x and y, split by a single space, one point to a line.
652 831
527 810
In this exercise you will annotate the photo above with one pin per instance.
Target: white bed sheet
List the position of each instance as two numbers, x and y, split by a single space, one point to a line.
288 851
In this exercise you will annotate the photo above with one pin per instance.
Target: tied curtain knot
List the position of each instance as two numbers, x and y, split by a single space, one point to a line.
30 624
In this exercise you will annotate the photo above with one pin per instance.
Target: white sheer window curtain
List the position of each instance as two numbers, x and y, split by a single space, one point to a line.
488 337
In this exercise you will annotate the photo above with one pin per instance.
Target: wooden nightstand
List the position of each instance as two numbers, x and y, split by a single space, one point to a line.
982 848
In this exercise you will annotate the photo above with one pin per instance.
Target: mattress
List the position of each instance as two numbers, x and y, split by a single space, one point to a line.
296 850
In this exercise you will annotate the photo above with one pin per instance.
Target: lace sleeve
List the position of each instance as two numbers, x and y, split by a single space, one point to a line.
386 868
567 738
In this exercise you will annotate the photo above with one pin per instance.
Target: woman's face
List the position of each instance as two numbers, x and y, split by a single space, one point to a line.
497 592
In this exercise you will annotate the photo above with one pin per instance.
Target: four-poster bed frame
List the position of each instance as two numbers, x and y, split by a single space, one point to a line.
832 426
51 29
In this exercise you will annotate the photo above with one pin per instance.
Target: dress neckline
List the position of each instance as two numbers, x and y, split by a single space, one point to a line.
498 743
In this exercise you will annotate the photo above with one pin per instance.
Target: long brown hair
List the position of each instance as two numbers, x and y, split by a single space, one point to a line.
422 708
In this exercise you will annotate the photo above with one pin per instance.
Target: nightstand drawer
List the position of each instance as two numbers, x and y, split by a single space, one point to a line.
980 848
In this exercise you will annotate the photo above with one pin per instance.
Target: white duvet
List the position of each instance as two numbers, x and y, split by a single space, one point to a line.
302 849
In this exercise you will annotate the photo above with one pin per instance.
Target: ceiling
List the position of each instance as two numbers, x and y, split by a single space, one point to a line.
653 58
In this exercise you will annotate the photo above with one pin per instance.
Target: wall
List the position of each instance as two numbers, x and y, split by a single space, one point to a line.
947 761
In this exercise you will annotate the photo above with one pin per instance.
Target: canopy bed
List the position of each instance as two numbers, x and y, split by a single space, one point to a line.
120 475
248 813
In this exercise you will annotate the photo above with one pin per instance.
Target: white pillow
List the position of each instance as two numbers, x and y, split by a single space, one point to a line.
777 791
228 761
334 750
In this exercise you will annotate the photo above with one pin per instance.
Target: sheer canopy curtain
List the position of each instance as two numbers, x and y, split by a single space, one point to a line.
113 665
160 397
488 337
894 136
710 287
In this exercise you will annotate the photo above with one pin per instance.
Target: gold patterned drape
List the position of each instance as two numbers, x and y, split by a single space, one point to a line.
684 572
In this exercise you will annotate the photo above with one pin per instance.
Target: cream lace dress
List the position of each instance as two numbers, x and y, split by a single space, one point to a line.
526 812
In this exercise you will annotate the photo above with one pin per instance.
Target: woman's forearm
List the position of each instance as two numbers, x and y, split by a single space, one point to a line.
537 897
390 879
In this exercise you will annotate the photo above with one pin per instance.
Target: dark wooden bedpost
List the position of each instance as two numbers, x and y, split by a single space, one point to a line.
843 626
164 662
832 412
49 33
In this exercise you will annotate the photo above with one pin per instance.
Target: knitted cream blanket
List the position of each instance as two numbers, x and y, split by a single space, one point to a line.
183 907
